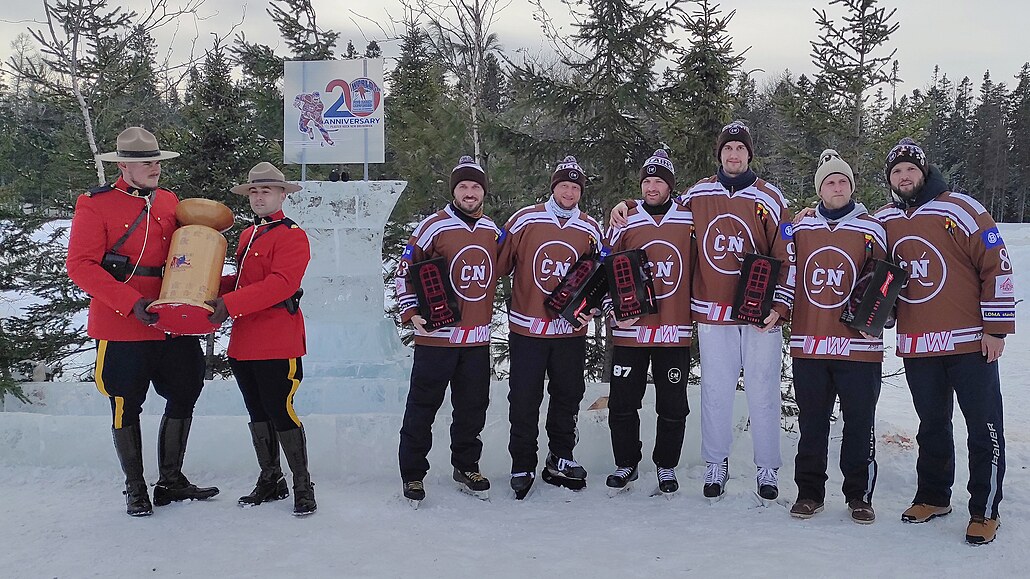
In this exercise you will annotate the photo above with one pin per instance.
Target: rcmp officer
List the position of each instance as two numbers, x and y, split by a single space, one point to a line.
120 237
267 341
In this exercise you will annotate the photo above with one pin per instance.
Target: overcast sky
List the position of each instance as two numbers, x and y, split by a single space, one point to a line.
964 37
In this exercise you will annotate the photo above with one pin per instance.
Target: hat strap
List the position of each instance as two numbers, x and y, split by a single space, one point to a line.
139 154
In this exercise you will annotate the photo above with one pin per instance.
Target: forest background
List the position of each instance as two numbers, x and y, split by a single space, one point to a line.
610 92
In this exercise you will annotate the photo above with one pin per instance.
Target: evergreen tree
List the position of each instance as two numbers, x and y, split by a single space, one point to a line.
1019 156
988 145
298 27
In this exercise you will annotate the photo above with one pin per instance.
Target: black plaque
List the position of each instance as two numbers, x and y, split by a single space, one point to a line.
872 301
581 290
437 303
753 302
630 284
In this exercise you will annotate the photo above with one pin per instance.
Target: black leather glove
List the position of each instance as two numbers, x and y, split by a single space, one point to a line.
220 314
139 309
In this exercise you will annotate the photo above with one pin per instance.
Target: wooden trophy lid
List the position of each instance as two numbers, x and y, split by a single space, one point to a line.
207 212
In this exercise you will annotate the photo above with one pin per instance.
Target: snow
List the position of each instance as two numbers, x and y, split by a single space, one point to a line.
62 512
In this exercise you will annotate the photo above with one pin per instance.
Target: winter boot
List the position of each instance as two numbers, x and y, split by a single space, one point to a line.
129 446
981 530
171 450
922 512
667 482
295 447
271 484
622 476
716 475
521 483
472 482
564 472
767 483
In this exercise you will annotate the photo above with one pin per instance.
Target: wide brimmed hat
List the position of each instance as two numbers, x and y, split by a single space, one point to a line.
137 145
264 174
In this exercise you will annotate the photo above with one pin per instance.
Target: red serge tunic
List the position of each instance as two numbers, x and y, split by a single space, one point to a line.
102 216
269 271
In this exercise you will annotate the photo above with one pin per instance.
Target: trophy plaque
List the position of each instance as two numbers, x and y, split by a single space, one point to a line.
437 303
579 291
630 284
876 291
753 300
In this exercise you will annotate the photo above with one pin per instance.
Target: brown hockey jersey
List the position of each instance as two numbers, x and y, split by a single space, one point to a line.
538 250
667 241
830 256
960 283
727 226
471 253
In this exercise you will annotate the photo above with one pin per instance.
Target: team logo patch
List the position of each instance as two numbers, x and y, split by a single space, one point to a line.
829 274
651 169
666 265
472 270
551 263
787 230
573 175
409 250
992 238
675 375
725 242
927 269
1004 287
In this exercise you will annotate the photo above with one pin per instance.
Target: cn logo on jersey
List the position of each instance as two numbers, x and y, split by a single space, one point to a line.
551 263
725 242
472 270
925 265
829 274
666 265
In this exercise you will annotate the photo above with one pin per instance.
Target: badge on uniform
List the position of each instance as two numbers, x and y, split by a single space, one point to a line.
581 290
437 302
753 301
630 284
872 301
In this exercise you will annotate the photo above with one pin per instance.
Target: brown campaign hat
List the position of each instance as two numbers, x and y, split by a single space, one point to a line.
137 145
265 174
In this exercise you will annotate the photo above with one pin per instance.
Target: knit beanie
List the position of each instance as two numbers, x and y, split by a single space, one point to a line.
830 163
568 170
468 170
659 165
735 131
906 151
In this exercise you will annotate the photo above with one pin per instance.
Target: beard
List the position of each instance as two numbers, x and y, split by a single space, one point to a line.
911 194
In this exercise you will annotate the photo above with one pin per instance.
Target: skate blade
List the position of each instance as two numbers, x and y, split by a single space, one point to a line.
658 492
481 495
614 492
763 503
574 484
303 514
413 503
521 495
715 499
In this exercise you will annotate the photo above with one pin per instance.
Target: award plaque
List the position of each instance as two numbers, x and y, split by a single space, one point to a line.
437 303
579 291
630 284
876 290
753 301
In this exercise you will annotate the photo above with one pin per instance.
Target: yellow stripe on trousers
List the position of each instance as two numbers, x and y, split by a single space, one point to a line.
292 377
98 377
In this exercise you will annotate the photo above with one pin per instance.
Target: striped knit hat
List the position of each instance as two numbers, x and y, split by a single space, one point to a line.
735 131
568 170
906 151
659 165
468 170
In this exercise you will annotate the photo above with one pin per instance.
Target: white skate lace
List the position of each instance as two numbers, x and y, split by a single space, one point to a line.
564 464
518 474
715 473
767 476
474 476
665 474
623 471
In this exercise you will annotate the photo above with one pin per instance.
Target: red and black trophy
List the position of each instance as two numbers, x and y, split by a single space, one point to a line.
630 284
872 301
753 301
437 303
580 291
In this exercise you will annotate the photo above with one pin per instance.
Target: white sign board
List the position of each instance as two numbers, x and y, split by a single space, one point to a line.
333 112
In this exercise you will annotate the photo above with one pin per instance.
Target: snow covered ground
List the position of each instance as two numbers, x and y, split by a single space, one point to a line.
61 512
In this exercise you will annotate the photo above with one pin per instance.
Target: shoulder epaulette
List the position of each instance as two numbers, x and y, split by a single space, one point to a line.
101 189
289 223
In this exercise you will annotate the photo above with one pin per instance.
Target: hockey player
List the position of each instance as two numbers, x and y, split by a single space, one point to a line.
459 356
663 229
263 300
953 316
543 242
736 213
831 359
120 237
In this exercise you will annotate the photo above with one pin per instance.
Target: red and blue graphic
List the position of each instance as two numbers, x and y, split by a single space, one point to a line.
360 98
180 261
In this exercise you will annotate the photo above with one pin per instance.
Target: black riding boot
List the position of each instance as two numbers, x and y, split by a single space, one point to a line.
295 448
171 449
129 446
271 484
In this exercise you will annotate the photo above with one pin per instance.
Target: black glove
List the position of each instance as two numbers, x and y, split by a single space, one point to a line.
139 309
220 314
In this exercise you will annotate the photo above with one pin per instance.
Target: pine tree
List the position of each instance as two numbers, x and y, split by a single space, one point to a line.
298 27
1019 156
987 158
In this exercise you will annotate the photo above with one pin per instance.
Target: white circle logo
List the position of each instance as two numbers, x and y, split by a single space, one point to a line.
666 264
926 267
472 271
651 169
674 375
573 175
551 262
829 275
724 243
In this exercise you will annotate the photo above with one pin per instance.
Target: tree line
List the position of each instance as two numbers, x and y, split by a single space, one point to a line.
610 93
